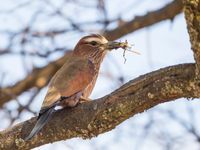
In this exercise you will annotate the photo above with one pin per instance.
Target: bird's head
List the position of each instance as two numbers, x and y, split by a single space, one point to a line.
94 46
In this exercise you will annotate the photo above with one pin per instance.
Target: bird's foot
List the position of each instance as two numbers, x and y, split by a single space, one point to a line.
84 99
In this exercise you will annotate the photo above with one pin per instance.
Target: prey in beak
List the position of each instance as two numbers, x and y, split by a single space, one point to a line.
110 45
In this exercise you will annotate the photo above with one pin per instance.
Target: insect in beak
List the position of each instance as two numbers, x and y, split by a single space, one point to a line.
110 45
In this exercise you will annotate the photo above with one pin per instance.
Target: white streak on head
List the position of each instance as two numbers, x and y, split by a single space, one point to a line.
99 39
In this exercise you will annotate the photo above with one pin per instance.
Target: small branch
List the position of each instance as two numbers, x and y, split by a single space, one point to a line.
90 119
40 77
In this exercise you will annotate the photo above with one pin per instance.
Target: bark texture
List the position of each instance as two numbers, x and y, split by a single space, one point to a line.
90 119
192 16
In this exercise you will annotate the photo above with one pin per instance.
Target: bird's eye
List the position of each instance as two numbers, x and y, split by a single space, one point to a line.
94 43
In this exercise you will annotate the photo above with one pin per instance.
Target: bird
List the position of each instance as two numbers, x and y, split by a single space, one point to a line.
76 79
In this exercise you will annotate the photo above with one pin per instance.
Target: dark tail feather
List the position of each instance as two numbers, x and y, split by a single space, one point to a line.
43 118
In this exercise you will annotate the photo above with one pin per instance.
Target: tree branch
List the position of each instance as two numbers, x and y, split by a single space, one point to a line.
90 119
139 22
192 16
40 77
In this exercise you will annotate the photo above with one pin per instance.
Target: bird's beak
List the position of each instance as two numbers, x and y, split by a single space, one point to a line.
110 45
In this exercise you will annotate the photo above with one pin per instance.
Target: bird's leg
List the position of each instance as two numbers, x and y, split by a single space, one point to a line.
84 99
70 101
62 98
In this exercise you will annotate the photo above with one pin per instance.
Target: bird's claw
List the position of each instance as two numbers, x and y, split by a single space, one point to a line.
83 100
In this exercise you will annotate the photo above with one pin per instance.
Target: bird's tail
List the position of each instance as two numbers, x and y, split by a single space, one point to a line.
43 118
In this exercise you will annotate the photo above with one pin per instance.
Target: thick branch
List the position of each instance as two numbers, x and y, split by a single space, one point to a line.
192 15
40 77
93 118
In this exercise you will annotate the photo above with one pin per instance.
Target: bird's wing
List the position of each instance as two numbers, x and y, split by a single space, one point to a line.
73 77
